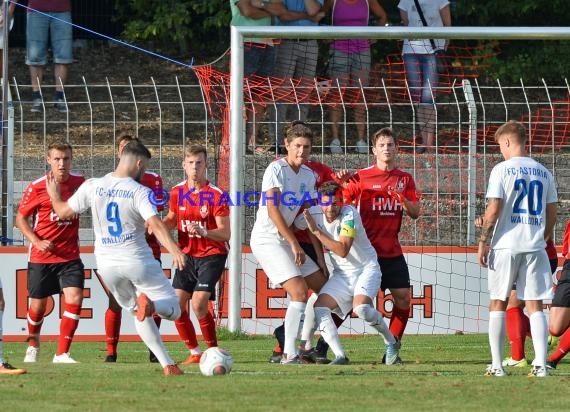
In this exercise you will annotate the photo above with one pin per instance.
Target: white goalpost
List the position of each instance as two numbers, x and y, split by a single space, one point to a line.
472 285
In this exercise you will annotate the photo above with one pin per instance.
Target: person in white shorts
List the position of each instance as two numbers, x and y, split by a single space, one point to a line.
356 275
287 186
520 215
121 209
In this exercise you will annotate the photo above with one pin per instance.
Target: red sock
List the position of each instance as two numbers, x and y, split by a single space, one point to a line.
516 331
112 330
35 322
208 328
186 330
157 320
398 321
67 327
563 347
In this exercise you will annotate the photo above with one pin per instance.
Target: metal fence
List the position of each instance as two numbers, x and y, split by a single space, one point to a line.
169 116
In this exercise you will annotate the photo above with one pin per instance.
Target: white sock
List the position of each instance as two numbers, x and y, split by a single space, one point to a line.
1 338
293 319
308 331
497 332
328 330
167 308
148 331
376 320
539 332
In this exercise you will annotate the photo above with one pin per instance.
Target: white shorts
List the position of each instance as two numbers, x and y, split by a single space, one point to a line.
343 289
276 258
530 271
126 282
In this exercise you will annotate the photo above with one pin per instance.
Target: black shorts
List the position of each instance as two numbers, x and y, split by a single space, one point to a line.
309 250
562 292
395 274
200 274
47 279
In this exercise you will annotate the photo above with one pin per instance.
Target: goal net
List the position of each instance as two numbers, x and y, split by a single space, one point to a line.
449 292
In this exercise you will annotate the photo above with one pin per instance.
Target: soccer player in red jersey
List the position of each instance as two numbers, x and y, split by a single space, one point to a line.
382 193
54 265
200 212
559 318
113 315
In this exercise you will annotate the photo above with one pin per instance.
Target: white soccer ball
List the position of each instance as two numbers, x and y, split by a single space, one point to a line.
216 361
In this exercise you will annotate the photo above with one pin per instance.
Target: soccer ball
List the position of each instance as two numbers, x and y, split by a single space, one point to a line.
216 361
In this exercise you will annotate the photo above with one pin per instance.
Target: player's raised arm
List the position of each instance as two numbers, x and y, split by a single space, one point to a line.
60 207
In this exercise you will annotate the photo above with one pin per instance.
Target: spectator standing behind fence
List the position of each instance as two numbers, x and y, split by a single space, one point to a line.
11 14
420 61
350 61
296 59
49 19
259 53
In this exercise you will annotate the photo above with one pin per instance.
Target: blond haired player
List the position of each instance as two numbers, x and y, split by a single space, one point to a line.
520 215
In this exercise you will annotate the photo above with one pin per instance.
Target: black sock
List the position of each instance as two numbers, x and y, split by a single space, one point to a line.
58 95
36 95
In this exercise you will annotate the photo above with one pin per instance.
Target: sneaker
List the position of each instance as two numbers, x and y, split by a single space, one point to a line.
551 364
60 105
308 356
335 147
361 147
320 360
172 370
64 358
145 307
515 363
37 105
111 358
295 360
275 357
498 372
339 360
152 357
538 372
193 359
32 354
391 356
7 369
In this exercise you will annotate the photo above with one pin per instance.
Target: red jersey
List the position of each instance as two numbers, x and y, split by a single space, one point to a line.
381 214
64 234
566 242
323 174
199 207
154 182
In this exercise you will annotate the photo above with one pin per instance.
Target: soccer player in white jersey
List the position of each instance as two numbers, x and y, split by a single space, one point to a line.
121 208
356 276
520 215
288 184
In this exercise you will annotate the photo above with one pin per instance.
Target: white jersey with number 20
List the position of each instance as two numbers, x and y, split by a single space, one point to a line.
526 187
